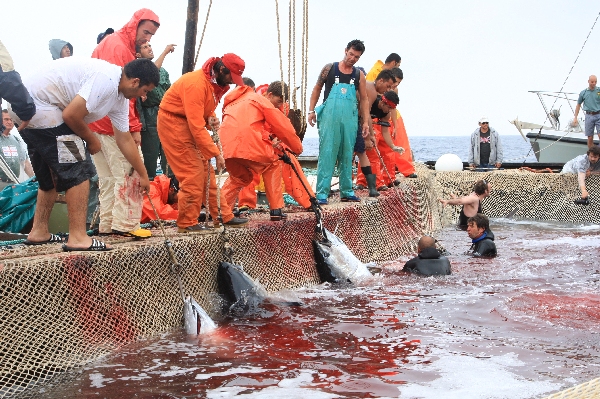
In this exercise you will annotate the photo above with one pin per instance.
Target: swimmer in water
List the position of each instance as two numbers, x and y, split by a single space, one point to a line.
471 203
482 238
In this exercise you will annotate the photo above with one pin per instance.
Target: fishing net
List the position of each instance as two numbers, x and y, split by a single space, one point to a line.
62 310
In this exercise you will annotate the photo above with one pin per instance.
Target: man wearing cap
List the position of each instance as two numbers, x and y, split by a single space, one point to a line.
590 98
120 205
102 35
183 117
485 151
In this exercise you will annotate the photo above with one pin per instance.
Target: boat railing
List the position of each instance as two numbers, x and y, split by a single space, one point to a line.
553 114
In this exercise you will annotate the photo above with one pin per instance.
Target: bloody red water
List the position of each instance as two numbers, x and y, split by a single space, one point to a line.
523 325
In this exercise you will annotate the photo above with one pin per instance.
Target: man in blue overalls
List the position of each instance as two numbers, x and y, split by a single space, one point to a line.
345 87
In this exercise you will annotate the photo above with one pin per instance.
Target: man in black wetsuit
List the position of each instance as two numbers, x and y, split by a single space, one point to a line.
478 229
429 262
471 203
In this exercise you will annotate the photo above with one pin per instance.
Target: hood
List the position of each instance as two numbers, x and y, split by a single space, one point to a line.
490 235
56 46
208 72
236 94
129 31
429 253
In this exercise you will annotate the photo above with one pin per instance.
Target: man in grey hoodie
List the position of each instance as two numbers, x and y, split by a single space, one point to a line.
60 49
485 150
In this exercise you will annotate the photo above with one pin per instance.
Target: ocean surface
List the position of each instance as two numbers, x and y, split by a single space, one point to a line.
428 148
520 326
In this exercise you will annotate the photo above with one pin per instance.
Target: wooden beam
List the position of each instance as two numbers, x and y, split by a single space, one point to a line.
191 31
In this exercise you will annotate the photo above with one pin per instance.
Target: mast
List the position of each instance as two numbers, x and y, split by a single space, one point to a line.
191 30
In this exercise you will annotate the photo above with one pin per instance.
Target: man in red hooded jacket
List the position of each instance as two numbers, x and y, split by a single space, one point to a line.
120 203
183 116
247 148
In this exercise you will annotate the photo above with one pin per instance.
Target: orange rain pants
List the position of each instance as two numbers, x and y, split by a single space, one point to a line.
247 195
378 170
189 166
293 186
242 172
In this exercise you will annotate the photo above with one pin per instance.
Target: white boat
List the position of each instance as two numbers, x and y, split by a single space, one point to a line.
561 141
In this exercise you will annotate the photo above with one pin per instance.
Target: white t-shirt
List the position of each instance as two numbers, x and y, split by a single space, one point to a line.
55 85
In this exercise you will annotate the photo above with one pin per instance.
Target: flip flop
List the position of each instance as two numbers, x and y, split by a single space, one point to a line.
54 239
96 246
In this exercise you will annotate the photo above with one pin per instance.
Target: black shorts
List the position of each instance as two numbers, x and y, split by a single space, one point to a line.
59 157
359 146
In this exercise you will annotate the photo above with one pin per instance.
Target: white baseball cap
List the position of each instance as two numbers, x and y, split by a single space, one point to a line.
484 119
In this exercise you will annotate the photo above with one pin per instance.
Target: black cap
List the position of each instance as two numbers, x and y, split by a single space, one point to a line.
103 35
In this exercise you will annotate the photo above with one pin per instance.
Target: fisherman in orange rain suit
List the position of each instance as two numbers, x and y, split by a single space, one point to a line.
163 193
292 182
247 147
381 111
182 120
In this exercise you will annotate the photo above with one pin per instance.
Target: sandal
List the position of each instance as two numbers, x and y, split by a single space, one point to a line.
96 246
54 239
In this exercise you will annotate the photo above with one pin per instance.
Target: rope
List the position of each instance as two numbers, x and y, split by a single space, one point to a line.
279 41
293 41
175 266
207 207
289 49
202 37
227 248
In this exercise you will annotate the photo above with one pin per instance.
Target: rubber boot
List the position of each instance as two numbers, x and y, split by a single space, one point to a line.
372 183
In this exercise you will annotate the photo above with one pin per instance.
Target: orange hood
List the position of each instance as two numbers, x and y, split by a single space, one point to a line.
128 32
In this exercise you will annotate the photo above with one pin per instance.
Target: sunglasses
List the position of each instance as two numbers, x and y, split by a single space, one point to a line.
484 123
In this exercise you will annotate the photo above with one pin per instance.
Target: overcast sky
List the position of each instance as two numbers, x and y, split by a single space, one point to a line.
462 59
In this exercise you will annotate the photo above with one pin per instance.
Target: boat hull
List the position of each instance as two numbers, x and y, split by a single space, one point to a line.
554 150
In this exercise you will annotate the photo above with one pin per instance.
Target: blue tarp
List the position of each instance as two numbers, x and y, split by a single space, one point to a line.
17 205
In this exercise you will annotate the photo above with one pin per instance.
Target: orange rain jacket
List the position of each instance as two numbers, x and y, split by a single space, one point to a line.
159 193
119 49
192 99
243 133
404 162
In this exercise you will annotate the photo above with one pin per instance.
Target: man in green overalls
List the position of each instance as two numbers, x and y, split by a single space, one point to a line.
148 110
337 120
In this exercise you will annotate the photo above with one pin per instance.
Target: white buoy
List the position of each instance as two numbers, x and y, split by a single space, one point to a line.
449 163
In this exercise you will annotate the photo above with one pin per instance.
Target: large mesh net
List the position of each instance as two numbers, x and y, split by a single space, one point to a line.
61 310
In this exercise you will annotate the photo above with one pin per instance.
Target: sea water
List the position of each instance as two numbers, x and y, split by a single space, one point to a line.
430 148
523 325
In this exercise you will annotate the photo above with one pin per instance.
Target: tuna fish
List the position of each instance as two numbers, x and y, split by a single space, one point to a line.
336 263
197 321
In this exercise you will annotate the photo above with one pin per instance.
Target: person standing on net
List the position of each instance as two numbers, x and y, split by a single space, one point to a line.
69 94
120 214
148 110
485 151
337 120
590 98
